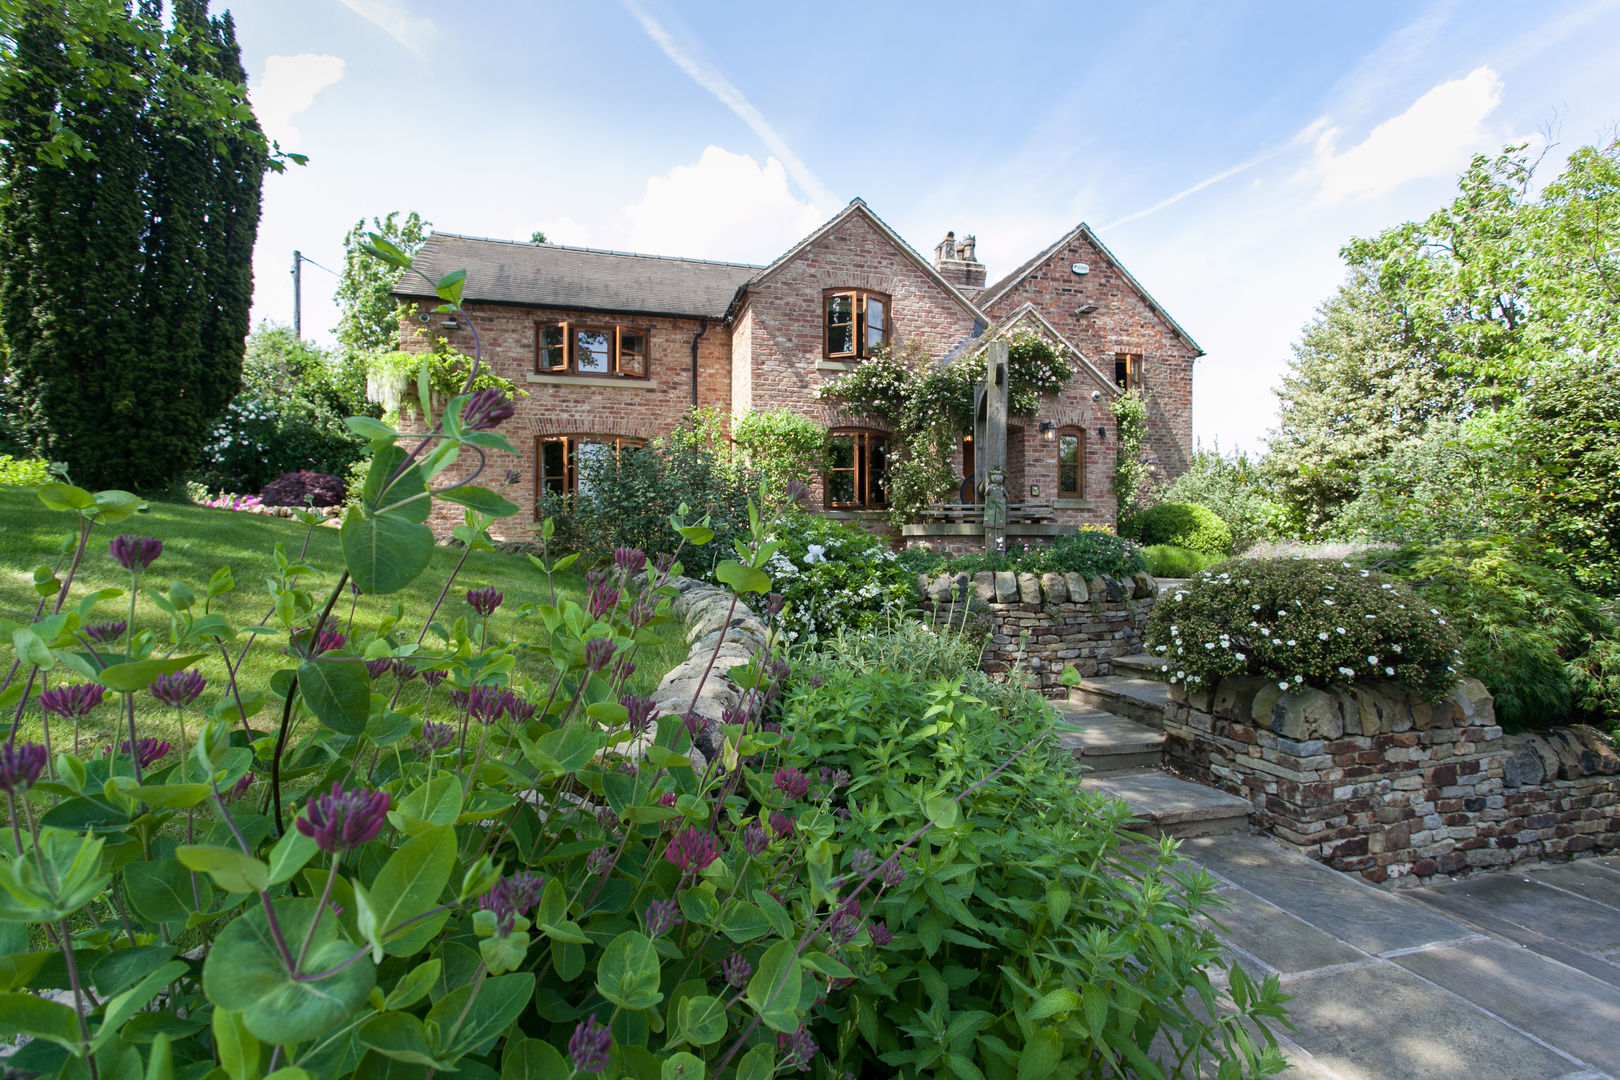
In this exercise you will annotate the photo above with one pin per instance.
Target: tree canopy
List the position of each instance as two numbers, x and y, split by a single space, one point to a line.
370 319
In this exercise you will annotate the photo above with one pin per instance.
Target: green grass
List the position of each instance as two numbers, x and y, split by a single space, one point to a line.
197 541
1170 561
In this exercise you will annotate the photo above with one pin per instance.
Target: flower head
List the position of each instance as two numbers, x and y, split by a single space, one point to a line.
736 970
893 873
781 824
179 689
623 669
485 601
434 678
599 861
791 782
404 670
105 633
240 788
486 410
512 896
641 612
774 602
845 923
662 917
72 702
342 820
630 560
147 751
589 1045
20 765
881 934
599 653
692 849
662 562
601 599
135 553
797 491
436 736
755 838
516 708
668 800
797 1050
328 641
643 711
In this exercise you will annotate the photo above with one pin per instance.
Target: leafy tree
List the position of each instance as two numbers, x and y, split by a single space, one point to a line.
126 276
1234 487
370 320
538 237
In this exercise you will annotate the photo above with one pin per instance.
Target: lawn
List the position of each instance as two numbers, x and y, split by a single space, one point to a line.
198 541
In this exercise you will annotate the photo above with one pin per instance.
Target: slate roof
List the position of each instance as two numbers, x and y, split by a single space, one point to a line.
585 279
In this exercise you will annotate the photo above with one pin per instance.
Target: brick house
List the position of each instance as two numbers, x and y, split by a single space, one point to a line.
614 349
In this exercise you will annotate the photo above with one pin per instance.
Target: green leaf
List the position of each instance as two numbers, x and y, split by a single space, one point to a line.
244 971
136 675
400 1036
758 1064
118 971
59 496
228 868
1042 1053
379 496
702 1020
379 246
437 802
114 506
24 1014
743 579
482 500
370 428
774 989
696 534
449 287
745 922
627 974
683 1066
239 1052
500 1001
31 648
414 985
532 1059
160 890
943 812
386 553
408 885
1061 1000
290 855
338 692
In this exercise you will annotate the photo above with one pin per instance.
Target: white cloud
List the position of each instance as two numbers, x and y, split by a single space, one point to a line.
710 78
565 230
726 206
390 16
287 87
1433 138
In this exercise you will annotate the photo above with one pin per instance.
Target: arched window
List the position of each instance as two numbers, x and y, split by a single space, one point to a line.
857 469
1071 463
558 458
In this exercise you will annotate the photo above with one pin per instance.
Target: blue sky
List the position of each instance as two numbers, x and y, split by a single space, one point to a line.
1224 151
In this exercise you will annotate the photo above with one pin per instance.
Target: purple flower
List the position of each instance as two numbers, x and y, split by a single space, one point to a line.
516 708
791 782
845 923
892 872
147 751
630 560
692 849
486 410
135 553
434 678
380 667
72 702
404 670
240 788
327 641
693 722
841 778
797 1050
511 897
641 612
512 476
20 766
862 861
755 838
623 669
881 935
661 917
797 491
343 820
608 819
781 824
589 1045
598 653
780 670
732 717
773 604
599 861
668 799
485 601
486 704
436 736
736 970
643 711
662 562
601 600
104 633
178 690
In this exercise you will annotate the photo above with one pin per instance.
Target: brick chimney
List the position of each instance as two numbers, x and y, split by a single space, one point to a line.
956 262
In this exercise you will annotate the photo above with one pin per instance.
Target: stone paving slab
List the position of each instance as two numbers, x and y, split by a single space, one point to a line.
1093 730
1569 1009
1518 898
1583 877
1383 1023
1171 804
1358 914
1277 939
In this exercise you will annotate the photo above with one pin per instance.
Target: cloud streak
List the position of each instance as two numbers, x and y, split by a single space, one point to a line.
390 16
710 79
1208 181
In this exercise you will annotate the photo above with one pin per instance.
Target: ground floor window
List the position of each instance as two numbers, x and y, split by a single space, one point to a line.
857 469
558 461
1071 461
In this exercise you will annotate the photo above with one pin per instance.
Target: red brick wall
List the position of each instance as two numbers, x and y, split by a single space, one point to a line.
583 405
1123 322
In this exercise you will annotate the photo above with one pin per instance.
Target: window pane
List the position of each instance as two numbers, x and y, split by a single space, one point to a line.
593 351
589 460
1068 465
878 470
840 324
553 469
840 488
876 326
841 308
552 356
840 340
841 451
632 354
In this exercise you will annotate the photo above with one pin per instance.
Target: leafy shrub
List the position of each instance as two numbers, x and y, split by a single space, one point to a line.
782 447
303 488
1187 525
1236 489
1302 623
1170 561
1548 650
835 577
1088 552
24 472
1027 897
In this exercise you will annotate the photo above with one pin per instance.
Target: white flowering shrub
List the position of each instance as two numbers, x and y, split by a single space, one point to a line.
834 577
1302 622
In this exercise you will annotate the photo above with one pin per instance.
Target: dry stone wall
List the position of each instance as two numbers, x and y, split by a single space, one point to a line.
1371 780
1046 622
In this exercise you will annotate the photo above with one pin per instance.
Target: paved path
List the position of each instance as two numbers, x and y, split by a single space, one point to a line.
1506 976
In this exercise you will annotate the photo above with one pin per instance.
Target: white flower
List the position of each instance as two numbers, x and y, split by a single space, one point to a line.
1389 671
1299 678
1323 634
1397 648
1340 629
1373 660
1282 686
1239 656
1347 671
814 553
1291 641
1327 603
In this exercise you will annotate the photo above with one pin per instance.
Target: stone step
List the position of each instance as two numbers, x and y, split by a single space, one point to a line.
1104 742
1171 806
1134 698
1139 665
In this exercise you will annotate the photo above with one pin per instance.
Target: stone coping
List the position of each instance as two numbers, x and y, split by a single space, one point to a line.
1009 587
971 528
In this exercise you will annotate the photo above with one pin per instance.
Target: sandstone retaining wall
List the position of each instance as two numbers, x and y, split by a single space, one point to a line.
1371 780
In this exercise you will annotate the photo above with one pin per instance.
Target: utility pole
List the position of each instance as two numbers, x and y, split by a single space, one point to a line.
298 280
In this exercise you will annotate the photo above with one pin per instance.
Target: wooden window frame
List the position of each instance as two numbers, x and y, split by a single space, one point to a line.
616 333
1079 435
571 443
1133 370
862 470
859 299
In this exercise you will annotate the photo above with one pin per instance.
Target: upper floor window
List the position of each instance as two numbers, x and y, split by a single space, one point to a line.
574 349
1128 371
857 469
559 460
1071 444
857 321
